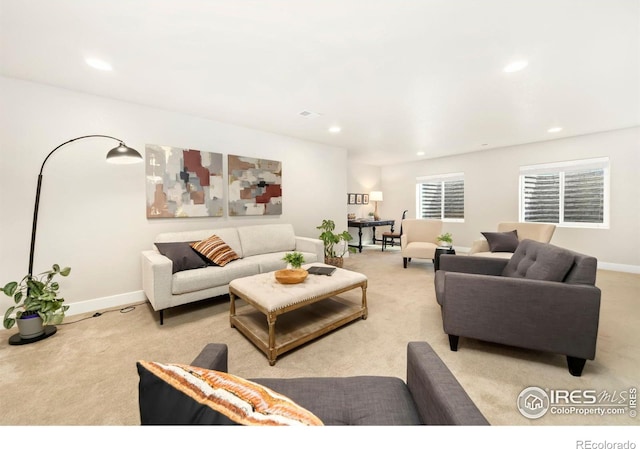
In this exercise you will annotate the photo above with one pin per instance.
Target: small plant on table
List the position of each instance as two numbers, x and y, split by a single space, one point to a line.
295 259
445 239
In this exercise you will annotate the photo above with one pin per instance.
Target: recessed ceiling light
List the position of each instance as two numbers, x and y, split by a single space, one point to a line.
420 153
99 64
335 129
516 66
555 129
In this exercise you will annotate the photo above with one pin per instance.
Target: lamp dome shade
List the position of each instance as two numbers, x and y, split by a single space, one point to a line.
123 154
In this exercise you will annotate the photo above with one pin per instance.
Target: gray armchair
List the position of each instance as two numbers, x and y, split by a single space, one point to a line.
431 395
543 298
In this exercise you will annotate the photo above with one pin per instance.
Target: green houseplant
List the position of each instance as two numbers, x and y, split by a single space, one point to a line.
36 300
295 259
445 239
333 255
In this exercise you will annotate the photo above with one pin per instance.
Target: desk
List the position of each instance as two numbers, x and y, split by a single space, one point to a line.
368 224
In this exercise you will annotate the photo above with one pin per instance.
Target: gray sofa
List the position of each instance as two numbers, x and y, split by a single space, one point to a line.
430 395
260 247
543 298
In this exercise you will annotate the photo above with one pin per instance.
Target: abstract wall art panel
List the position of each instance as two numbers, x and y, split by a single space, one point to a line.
183 183
255 186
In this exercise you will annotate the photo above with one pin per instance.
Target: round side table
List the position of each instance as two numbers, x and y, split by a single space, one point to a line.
439 251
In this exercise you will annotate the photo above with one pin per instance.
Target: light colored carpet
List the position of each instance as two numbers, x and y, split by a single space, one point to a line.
86 373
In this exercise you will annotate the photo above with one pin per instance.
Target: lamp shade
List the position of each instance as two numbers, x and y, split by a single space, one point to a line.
123 154
375 196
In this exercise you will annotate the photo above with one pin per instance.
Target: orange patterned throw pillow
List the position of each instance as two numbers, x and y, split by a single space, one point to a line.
242 401
216 250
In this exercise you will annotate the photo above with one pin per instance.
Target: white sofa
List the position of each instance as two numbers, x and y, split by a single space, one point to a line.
260 247
540 232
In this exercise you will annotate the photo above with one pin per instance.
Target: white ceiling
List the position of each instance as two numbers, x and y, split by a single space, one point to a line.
398 76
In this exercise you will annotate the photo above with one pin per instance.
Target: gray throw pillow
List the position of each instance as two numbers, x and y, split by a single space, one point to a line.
502 242
182 255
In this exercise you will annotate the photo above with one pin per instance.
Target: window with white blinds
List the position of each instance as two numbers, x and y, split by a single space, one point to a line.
571 193
441 197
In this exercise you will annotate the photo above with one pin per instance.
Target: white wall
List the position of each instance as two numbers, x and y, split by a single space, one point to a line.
92 214
362 178
491 191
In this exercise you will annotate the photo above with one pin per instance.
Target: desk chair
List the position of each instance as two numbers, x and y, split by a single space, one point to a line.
390 237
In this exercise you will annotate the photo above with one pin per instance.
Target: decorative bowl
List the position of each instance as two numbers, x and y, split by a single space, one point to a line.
291 275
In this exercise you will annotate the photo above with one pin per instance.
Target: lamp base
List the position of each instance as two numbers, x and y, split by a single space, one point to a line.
16 339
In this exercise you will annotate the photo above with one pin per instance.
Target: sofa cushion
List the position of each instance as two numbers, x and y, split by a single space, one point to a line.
182 255
502 242
212 276
184 394
358 400
216 250
273 261
541 261
268 238
229 235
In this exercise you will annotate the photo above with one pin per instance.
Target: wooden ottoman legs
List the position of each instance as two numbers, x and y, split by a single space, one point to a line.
271 320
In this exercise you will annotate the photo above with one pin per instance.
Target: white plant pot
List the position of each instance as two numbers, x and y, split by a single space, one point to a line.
30 327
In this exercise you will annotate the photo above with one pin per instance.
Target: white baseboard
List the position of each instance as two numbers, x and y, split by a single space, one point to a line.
108 302
619 267
601 265
125 299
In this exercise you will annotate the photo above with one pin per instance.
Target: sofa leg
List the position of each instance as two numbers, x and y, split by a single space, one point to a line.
161 317
575 365
404 262
453 342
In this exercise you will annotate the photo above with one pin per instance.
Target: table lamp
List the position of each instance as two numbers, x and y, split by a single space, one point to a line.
375 196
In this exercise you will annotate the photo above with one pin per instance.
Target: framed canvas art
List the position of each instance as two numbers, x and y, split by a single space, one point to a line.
255 186
182 183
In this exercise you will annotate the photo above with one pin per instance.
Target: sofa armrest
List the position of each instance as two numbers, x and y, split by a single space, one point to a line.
213 356
479 246
310 245
473 264
439 397
543 315
157 279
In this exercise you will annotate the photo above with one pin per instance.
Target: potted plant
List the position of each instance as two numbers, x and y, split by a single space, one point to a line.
294 273
294 259
333 255
445 239
36 302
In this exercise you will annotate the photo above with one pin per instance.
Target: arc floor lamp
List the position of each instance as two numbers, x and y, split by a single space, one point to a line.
122 154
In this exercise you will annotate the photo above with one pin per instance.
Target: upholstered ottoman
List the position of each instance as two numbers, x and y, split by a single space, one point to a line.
303 311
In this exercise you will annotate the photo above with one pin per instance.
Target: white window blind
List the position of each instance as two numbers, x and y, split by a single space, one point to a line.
567 193
441 197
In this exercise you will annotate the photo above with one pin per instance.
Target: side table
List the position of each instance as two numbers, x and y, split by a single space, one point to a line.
439 251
